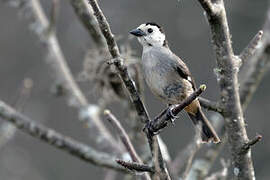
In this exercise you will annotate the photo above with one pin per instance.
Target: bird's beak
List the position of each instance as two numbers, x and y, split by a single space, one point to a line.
137 32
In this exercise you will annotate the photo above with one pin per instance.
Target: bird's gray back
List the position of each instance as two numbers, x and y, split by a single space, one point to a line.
160 68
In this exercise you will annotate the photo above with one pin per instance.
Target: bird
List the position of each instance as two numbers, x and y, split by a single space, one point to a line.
168 77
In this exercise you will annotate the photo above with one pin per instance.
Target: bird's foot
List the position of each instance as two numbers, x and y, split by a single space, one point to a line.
148 129
171 114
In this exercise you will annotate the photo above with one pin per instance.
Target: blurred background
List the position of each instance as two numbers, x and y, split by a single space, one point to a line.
22 55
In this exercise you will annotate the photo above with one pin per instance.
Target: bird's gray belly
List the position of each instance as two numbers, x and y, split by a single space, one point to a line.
169 87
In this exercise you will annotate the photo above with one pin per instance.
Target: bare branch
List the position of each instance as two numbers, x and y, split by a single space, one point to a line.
252 74
85 14
211 9
251 47
123 136
162 119
250 77
56 139
122 69
228 66
209 105
57 62
118 61
135 166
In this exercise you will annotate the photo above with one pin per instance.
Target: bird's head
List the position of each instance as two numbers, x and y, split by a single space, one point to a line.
150 35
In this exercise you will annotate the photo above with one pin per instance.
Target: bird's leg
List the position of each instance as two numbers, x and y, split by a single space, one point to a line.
148 129
172 116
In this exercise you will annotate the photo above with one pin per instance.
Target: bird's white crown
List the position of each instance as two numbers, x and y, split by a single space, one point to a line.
153 35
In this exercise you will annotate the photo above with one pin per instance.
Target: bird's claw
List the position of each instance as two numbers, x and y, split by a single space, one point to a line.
149 130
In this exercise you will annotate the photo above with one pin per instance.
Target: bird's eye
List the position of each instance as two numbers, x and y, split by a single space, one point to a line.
150 30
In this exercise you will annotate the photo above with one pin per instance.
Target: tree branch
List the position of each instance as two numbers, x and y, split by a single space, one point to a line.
57 62
162 119
57 140
122 69
85 14
251 47
118 61
136 166
250 143
228 65
125 139
209 105
123 136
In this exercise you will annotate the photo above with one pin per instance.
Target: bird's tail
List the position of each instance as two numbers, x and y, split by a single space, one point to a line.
208 133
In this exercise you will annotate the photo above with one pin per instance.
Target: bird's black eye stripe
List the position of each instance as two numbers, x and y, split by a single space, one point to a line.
150 30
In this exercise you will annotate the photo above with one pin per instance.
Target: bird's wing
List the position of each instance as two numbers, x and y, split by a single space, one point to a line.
183 70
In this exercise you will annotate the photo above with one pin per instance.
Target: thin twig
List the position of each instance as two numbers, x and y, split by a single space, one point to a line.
251 47
123 136
85 14
135 166
209 105
57 140
250 143
125 139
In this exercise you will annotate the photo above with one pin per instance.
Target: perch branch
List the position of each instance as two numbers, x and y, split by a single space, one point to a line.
162 119
56 139
136 166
